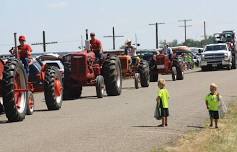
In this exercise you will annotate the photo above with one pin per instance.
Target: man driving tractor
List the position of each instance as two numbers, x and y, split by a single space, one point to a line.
24 53
131 51
96 46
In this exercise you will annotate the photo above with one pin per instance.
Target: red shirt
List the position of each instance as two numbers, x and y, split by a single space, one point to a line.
96 45
25 51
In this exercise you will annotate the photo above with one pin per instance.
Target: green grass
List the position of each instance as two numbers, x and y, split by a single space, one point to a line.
223 139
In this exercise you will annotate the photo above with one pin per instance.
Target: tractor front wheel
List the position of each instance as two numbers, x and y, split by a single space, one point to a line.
30 104
136 80
144 74
100 86
53 88
174 73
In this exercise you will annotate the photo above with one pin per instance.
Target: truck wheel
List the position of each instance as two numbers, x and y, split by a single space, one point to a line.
14 100
144 74
100 86
174 73
136 80
180 74
53 88
30 103
112 74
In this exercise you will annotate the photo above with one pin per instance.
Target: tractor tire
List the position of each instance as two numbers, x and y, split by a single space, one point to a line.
100 86
233 62
180 73
136 80
112 73
30 103
53 88
174 73
144 74
14 102
153 76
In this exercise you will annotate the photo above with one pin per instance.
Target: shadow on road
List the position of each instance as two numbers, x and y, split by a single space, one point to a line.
195 126
128 88
156 126
41 110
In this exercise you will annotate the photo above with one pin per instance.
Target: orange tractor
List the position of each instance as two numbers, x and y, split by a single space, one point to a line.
16 90
133 67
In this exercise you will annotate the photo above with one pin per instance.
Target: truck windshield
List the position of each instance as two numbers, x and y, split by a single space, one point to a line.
215 48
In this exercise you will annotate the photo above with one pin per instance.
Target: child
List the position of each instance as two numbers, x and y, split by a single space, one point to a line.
163 98
213 104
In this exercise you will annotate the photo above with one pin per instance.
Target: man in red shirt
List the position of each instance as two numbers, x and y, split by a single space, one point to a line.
96 46
24 53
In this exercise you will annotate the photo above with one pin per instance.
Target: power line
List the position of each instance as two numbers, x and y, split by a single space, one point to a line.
157 32
185 27
113 36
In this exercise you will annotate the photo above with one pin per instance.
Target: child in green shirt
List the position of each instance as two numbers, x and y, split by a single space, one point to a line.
163 100
213 104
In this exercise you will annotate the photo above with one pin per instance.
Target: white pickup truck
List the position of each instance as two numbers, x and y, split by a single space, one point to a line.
216 56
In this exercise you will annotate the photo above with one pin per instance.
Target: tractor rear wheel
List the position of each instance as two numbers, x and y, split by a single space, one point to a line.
112 74
233 62
53 88
30 103
14 90
144 74
100 86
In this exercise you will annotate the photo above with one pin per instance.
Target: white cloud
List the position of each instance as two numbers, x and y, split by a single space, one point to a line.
58 5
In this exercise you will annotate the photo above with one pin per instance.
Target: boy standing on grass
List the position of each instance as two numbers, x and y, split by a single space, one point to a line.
213 104
163 100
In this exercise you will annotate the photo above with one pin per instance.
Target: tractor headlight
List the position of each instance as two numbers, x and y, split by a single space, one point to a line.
202 57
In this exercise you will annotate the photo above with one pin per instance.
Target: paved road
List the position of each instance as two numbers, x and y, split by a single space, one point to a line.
116 124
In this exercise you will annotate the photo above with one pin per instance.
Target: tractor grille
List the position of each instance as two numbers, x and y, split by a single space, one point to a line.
160 61
124 63
78 65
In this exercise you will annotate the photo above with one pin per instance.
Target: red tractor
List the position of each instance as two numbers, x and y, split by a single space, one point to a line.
83 69
16 90
163 65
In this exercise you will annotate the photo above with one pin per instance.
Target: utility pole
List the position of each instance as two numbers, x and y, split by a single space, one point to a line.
44 42
157 33
113 36
205 32
185 27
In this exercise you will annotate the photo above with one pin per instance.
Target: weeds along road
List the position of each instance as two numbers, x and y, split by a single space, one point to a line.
116 124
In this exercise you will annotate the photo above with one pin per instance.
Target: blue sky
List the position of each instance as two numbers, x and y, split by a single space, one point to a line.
65 21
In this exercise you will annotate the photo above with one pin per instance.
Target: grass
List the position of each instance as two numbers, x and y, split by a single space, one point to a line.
223 139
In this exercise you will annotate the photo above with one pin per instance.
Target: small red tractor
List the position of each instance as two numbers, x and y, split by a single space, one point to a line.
163 65
16 90
83 69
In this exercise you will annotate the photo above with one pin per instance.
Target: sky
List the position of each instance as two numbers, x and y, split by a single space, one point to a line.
65 21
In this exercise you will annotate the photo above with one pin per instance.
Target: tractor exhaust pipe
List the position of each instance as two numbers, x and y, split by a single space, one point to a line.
15 45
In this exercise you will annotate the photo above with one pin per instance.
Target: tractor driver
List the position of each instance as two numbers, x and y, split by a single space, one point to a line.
24 53
131 51
168 51
96 46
